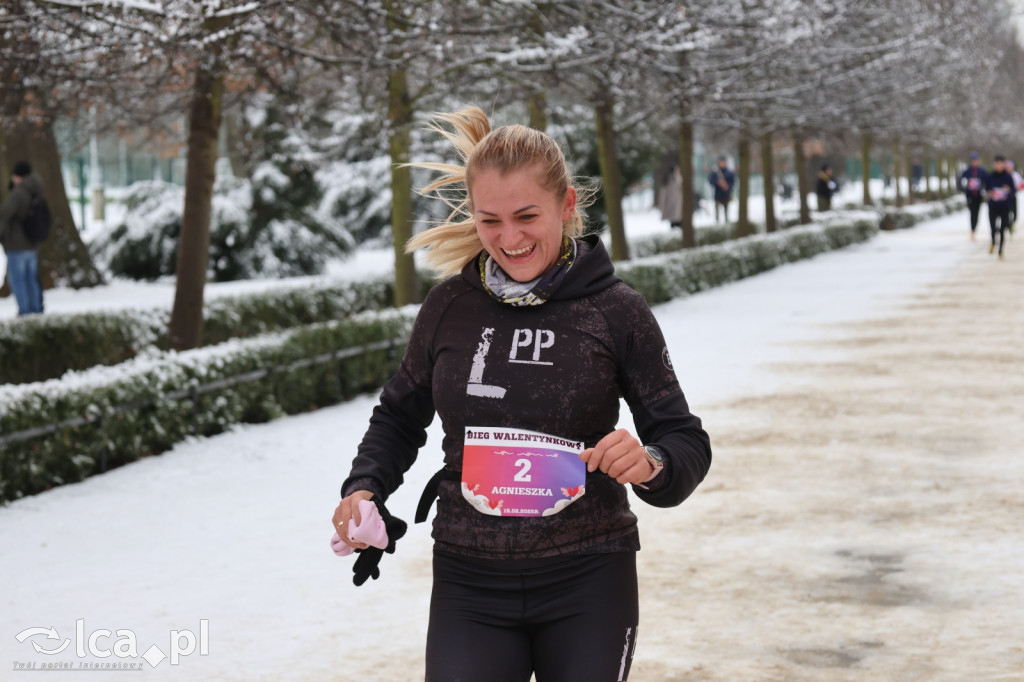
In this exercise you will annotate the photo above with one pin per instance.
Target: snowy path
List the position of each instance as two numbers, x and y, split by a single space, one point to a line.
861 519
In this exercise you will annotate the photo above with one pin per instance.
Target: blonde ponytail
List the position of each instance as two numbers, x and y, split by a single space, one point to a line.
454 242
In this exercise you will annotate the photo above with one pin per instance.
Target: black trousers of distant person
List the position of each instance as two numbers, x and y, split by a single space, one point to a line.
999 221
566 619
974 206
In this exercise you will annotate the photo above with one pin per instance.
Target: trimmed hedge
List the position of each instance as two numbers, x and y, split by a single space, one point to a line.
40 347
670 275
112 416
44 347
663 278
705 235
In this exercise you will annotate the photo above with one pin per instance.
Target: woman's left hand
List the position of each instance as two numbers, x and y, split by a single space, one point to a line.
621 456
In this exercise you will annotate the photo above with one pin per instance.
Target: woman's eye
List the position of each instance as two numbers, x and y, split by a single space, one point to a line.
528 216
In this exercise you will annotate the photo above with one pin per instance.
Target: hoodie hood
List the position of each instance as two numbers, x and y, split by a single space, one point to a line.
592 271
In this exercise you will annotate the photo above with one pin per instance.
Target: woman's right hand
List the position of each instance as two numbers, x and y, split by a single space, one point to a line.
347 509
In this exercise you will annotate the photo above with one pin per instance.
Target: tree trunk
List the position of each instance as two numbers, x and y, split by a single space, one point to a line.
768 173
686 171
802 181
743 227
611 180
908 169
536 100
186 327
897 174
400 120
537 106
929 192
400 114
865 167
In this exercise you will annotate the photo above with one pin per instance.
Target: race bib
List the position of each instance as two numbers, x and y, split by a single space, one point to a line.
973 184
512 472
998 194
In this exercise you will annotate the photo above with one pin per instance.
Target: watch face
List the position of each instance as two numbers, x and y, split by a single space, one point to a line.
654 452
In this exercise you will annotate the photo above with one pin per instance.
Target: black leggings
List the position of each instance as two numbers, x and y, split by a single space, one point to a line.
974 205
999 221
569 619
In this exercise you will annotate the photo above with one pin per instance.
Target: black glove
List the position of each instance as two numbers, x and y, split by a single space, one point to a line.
366 563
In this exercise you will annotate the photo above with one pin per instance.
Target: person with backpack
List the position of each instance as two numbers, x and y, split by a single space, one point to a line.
24 223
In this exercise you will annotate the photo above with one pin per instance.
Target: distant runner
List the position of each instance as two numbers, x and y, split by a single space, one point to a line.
999 187
972 182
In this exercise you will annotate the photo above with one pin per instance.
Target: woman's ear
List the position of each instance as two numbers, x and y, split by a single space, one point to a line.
569 205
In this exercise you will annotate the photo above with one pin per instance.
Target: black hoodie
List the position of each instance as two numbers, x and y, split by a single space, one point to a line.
13 212
595 341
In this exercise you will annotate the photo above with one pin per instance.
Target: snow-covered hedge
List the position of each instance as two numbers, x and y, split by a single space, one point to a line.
108 416
36 348
902 218
672 274
705 235
662 278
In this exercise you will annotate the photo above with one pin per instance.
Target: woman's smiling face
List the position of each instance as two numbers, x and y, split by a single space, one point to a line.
519 221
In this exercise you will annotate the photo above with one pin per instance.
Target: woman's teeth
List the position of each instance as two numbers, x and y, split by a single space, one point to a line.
519 252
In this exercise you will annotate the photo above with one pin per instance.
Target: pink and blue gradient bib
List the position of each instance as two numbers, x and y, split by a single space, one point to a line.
512 472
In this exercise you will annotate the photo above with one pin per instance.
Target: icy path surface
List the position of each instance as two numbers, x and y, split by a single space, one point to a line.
861 519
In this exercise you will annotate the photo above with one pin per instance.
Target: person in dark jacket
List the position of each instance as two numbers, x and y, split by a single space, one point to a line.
1018 185
22 258
525 351
825 188
723 180
999 187
972 184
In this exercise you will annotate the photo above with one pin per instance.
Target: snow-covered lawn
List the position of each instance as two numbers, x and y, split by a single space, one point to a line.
839 536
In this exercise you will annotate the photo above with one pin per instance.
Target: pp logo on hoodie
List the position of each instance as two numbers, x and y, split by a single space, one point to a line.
527 345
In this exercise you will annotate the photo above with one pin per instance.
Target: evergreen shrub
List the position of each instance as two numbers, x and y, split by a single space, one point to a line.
119 414
41 347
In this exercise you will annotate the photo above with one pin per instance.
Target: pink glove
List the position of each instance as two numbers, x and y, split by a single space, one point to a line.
371 530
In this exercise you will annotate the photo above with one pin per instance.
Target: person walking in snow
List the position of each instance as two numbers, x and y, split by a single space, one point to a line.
825 188
524 352
723 180
972 184
999 187
22 256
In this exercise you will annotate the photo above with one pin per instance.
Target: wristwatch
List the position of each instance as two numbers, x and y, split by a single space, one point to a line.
656 459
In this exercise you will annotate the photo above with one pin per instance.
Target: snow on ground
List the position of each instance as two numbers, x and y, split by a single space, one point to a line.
847 530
